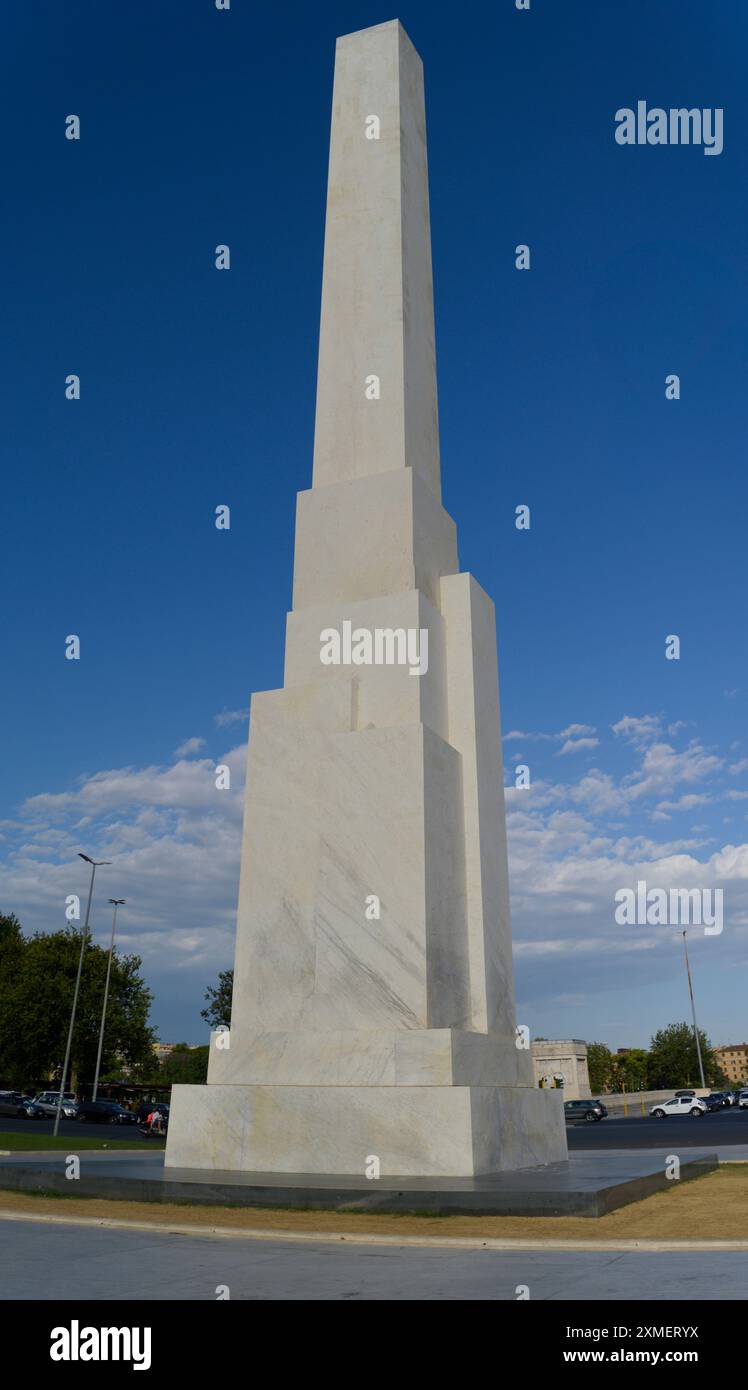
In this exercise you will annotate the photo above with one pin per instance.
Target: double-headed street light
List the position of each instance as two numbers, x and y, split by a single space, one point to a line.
95 864
116 902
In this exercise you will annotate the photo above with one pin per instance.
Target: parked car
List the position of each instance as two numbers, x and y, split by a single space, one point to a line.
588 1110
34 1111
11 1103
724 1096
49 1101
104 1112
716 1101
680 1105
743 1100
603 1108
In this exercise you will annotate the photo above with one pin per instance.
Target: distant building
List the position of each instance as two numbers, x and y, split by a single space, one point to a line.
562 1064
164 1050
733 1059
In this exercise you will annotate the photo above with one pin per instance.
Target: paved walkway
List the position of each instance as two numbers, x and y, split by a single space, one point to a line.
41 1261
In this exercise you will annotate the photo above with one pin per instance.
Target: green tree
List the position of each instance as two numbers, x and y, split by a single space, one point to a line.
673 1060
632 1069
37 981
600 1064
186 1066
218 1011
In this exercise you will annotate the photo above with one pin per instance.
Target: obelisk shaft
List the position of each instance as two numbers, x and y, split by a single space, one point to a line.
376 387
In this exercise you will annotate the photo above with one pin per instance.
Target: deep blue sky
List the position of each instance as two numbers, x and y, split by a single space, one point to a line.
200 127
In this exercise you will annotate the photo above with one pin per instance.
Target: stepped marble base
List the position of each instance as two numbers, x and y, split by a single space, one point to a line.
414 1131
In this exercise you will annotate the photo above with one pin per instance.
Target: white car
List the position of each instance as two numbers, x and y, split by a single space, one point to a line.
680 1105
742 1100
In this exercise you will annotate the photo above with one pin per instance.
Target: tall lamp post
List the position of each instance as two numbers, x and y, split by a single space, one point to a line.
95 864
693 1011
116 902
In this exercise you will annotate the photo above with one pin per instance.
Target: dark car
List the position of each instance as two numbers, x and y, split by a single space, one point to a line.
724 1096
714 1102
588 1110
603 1109
104 1112
34 1111
11 1103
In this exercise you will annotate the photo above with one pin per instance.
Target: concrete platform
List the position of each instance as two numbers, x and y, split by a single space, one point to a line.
584 1185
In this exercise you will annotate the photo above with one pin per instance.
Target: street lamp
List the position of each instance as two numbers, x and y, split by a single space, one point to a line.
693 1011
95 864
117 902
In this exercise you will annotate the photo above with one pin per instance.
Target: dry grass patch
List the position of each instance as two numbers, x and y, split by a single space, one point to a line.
713 1207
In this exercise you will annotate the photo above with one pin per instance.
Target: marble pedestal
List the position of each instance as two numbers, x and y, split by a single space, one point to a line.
433 1131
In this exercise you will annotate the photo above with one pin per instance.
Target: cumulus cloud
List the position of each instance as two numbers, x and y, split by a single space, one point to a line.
577 745
174 841
638 729
190 745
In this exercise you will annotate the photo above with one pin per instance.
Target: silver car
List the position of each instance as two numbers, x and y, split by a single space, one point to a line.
49 1100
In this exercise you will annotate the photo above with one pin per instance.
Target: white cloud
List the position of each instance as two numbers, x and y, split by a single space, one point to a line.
185 784
577 745
571 733
174 840
686 803
231 716
662 769
638 729
190 745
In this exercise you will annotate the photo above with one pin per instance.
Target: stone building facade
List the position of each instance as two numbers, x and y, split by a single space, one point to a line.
562 1063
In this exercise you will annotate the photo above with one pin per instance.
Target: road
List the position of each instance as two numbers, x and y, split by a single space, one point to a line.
71 1129
720 1127
64 1262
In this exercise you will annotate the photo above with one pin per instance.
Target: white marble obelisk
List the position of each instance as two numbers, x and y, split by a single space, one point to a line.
373 1011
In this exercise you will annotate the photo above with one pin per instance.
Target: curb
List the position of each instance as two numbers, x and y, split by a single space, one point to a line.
361 1238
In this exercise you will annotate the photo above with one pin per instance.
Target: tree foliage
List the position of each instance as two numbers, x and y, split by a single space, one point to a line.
632 1070
186 1066
673 1060
218 1011
37 982
600 1067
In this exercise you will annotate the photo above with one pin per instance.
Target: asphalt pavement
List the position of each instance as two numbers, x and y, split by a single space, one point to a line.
72 1128
716 1128
74 1262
